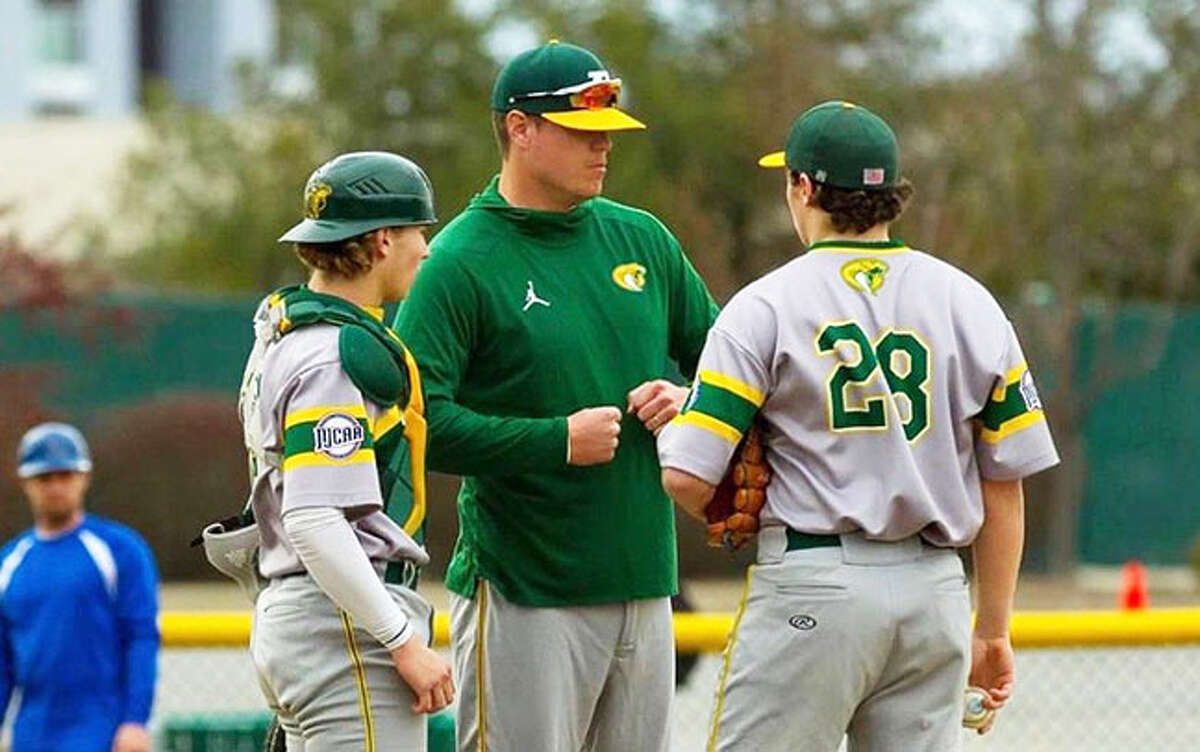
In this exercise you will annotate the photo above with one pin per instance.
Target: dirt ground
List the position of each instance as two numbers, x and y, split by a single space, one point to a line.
1088 589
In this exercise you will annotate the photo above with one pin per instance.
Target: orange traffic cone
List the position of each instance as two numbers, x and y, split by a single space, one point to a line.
1134 594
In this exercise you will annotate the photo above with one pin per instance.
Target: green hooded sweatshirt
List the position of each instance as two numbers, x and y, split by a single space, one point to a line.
518 319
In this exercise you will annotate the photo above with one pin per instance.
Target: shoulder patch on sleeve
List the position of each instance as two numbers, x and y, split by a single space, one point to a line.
370 365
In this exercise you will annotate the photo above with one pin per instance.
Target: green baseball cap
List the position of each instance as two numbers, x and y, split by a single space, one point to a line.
565 84
359 192
840 144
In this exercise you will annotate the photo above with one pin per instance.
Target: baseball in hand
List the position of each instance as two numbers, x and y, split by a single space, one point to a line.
975 714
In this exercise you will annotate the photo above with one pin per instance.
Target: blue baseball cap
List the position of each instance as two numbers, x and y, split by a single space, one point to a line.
52 448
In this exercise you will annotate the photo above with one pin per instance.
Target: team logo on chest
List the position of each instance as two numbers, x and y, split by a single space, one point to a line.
337 436
865 275
631 276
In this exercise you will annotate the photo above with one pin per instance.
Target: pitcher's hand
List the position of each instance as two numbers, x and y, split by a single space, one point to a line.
992 670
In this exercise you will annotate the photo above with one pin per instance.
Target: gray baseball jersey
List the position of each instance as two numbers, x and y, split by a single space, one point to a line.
890 382
310 435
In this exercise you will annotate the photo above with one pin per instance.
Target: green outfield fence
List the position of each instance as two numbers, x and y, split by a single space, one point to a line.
95 366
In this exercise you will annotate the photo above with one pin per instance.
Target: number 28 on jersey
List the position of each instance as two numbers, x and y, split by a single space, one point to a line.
903 360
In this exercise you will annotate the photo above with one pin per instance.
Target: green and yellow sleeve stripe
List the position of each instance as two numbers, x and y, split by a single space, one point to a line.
723 405
299 438
1006 412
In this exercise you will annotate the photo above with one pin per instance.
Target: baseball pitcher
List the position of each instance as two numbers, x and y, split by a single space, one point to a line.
899 417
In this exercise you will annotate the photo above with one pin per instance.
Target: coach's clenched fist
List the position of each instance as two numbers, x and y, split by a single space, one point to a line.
592 435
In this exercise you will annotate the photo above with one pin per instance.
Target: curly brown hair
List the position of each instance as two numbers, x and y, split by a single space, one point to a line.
346 258
859 209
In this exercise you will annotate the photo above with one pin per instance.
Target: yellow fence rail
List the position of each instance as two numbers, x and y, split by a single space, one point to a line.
705 633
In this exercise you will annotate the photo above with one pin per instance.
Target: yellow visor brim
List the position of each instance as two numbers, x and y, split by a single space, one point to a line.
603 119
774 159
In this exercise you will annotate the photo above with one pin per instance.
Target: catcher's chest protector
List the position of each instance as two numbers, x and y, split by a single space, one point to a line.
382 368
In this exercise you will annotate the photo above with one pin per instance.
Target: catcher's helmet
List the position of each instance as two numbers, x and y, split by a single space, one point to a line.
52 448
362 191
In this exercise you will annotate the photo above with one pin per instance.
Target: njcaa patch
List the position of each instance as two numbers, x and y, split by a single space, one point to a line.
1029 392
865 275
338 436
315 197
631 277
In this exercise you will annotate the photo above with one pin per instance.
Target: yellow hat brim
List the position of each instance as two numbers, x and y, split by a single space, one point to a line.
774 159
602 119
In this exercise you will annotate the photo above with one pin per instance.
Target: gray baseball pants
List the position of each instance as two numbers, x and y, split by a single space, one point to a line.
595 678
333 686
867 640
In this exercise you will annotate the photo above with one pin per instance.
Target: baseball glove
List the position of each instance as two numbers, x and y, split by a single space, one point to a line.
732 513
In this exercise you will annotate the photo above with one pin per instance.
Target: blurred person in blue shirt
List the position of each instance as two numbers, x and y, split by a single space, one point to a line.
78 611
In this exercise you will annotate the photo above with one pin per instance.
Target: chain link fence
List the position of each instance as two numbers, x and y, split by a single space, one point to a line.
1093 699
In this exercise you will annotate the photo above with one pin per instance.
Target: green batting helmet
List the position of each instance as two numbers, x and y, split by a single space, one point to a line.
359 192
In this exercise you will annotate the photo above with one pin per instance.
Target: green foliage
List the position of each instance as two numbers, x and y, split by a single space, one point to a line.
410 77
1055 176
1048 166
206 198
209 196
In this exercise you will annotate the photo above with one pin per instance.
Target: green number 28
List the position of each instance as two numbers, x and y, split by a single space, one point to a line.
907 378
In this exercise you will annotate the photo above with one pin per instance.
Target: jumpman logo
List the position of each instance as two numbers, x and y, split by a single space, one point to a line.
531 297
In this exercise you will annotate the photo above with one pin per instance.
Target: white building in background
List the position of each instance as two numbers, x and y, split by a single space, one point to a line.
72 75
91 58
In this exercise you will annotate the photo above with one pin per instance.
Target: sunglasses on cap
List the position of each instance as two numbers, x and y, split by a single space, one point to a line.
588 96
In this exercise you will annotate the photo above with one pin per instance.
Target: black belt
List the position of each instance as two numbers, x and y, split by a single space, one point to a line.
404 573
797 540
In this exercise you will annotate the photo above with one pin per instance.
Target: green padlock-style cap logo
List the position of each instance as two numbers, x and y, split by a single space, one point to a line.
359 192
841 144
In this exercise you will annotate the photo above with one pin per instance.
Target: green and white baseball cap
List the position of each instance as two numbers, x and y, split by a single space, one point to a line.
840 144
565 84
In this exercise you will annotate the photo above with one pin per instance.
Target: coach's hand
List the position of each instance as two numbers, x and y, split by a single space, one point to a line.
656 403
592 434
131 737
426 673
993 670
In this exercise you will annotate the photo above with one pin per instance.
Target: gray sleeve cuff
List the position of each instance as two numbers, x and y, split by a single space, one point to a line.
695 452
